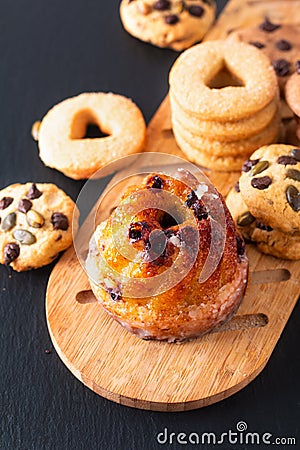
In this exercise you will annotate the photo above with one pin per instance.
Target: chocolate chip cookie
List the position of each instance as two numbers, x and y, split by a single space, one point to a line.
35 224
270 185
168 23
280 42
265 203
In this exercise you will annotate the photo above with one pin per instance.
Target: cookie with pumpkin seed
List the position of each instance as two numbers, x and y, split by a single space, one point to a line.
267 239
270 186
35 224
175 24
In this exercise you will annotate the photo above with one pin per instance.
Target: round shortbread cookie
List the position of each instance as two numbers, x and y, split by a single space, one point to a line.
168 23
270 186
225 131
280 42
241 148
222 164
268 240
35 224
194 71
61 134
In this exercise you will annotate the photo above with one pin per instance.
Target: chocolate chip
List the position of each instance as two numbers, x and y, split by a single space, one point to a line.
115 295
263 227
245 219
295 153
196 10
171 19
162 5
199 210
268 26
139 231
240 246
283 45
191 198
261 183
294 174
59 237
281 67
155 182
297 64
33 192
197 206
208 2
287 160
24 205
293 197
5 202
247 166
59 221
11 252
237 187
257 44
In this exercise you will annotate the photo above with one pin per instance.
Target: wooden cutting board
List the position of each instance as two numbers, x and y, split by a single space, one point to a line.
171 377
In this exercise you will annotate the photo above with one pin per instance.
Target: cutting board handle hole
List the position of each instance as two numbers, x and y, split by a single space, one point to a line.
270 276
244 322
237 323
85 297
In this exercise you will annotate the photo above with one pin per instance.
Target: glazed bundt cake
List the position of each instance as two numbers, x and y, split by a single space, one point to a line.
168 263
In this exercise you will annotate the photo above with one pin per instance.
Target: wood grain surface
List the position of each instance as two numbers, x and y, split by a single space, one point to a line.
171 377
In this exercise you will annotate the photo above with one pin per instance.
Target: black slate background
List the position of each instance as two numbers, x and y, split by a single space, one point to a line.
51 50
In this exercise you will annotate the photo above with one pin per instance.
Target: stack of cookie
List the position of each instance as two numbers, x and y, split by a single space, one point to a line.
265 203
225 103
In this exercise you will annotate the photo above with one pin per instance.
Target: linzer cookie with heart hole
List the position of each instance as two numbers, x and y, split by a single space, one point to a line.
35 224
265 203
175 24
225 103
62 139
